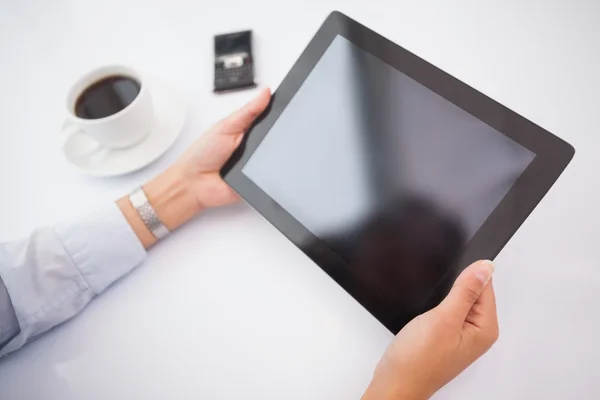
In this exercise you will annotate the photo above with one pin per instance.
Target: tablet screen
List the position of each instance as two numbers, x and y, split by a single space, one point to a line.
392 177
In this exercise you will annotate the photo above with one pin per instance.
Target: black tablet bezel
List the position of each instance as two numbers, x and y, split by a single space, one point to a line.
552 153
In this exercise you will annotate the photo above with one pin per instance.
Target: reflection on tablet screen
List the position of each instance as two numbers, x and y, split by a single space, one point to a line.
394 178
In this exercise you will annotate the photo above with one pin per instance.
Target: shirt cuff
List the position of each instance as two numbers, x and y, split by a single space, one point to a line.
102 245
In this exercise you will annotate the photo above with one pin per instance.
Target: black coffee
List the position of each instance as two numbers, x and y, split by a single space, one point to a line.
107 97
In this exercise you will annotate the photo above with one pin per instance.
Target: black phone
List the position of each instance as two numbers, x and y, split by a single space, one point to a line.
234 63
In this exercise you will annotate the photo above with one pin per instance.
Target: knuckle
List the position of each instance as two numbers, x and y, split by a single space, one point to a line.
253 113
470 295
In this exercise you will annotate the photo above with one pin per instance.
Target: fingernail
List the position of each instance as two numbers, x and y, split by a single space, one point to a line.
485 271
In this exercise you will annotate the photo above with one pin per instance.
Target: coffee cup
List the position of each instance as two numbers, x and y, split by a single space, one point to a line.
110 105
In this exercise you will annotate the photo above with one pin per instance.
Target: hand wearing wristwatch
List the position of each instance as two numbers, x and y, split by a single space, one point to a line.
193 183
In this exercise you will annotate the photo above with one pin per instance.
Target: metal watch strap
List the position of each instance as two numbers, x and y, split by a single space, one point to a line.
147 214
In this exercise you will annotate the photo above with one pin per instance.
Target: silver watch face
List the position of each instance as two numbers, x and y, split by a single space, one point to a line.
147 214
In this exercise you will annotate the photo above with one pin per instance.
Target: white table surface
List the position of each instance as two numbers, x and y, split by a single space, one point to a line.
229 309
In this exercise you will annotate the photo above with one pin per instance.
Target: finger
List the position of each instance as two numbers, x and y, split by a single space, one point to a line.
242 119
467 289
480 329
483 314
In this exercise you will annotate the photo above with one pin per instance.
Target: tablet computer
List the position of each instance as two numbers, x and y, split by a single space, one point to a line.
390 174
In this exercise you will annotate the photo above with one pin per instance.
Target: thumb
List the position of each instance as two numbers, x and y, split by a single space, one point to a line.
467 289
241 120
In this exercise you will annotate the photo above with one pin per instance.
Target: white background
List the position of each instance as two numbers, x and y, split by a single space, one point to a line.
227 308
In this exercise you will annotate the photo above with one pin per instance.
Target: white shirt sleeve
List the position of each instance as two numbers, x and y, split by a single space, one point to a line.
53 274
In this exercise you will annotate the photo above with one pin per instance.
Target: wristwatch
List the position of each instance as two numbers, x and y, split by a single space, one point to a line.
147 214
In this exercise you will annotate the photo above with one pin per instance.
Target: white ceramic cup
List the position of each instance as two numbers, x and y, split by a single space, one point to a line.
121 130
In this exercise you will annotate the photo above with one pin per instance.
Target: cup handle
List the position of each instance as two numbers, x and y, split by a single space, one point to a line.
69 133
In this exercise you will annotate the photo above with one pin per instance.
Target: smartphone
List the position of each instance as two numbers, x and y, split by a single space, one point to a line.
234 64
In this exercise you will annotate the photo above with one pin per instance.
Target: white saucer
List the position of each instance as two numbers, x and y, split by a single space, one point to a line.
169 110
